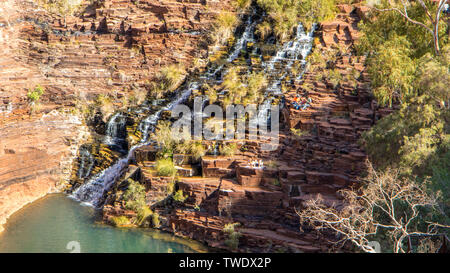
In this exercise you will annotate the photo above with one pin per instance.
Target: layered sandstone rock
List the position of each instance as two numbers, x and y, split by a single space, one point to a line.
36 157
112 48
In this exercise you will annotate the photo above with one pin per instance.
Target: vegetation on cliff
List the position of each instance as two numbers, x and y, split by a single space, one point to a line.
284 16
406 71
403 202
134 196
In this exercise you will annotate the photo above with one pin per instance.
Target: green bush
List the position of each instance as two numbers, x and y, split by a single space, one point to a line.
104 103
165 167
232 236
143 215
197 149
155 220
120 221
163 136
229 149
224 27
170 188
285 15
134 196
167 80
392 71
241 4
299 132
334 77
179 197
211 92
35 94
243 89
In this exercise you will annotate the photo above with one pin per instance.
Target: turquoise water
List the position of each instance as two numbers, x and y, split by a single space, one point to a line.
51 223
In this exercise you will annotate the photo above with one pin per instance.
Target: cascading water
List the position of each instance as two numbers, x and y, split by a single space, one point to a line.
297 49
115 133
94 190
86 163
247 36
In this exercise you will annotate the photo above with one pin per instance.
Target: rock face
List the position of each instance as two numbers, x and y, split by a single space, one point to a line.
114 48
110 48
36 157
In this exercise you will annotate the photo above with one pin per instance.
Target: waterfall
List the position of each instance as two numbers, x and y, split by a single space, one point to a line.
93 191
247 36
294 50
115 129
86 163
291 51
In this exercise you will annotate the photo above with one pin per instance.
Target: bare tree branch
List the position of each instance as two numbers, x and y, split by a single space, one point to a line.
385 202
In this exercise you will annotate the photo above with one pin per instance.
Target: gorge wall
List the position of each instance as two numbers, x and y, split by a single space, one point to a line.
112 47
323 158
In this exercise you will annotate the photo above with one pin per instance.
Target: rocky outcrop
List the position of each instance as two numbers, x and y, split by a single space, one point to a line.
36 157
111 47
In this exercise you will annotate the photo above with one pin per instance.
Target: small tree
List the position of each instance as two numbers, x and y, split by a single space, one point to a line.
433 13
386 204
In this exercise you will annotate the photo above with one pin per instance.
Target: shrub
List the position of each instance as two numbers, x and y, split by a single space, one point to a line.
224 27
170 187
232 236
392 71
105 104
165 167
143 215
179 197
229 149
35 94
241 4
284 15
264 30
134 196
211 92
411 137
163 136
167 80
256 83
243 89
138 96
172 76
197 149
334 77
120 221
299 132
62 7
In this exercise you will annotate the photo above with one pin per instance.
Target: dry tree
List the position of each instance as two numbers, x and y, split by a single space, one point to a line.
386 203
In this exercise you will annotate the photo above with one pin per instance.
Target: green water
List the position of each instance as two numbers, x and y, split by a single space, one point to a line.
49 224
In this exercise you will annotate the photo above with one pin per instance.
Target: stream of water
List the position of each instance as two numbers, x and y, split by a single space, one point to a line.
51 223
